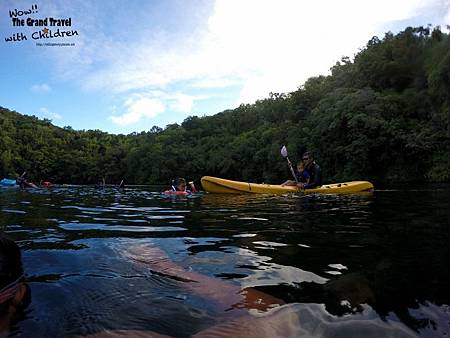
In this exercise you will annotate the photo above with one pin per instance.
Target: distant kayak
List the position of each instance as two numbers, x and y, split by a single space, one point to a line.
13 183
223 186
8 182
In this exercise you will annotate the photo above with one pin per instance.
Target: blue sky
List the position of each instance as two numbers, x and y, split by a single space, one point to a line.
135 64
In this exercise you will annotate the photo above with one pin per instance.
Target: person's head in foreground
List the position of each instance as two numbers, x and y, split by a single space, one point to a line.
14 293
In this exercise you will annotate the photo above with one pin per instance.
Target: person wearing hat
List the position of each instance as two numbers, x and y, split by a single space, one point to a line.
313 171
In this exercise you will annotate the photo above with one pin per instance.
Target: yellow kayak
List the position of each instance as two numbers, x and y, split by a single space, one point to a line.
222 186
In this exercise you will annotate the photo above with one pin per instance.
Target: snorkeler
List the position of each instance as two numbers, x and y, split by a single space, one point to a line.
226 296
278 320
179 184
14 293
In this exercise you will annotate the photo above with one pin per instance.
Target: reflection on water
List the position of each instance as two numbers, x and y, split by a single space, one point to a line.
369 264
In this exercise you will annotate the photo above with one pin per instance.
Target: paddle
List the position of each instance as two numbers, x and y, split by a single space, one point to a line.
284 153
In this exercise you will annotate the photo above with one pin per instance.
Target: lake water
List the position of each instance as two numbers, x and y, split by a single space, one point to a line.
371 265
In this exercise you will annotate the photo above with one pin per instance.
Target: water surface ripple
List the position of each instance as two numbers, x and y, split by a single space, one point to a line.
353 265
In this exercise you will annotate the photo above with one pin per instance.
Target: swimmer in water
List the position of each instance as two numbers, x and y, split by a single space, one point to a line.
179 184
14 293
227 296
275 318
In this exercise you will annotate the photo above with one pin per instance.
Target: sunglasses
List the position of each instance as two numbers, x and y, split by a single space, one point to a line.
305 158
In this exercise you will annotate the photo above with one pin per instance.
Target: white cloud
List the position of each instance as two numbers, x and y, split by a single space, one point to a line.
137 108
41 88
447 18
183 103
276 46
214 83
152 103
260 46
47 114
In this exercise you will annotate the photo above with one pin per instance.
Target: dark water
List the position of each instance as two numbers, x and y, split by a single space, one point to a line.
372 265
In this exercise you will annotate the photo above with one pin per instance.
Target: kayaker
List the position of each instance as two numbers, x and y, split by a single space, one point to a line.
101 184
14 293
23 183
301 174
313 170
179 184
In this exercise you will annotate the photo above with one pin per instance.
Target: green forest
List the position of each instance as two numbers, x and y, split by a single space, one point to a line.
381 116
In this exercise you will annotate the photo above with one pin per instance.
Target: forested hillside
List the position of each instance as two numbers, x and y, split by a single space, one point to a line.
383 116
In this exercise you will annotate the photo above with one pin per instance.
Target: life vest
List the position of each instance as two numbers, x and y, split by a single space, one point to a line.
173 191
177 193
